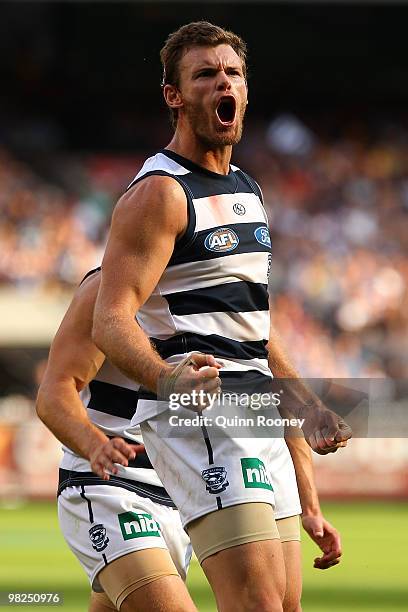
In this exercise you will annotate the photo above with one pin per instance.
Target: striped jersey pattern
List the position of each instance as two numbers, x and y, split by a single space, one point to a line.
212 297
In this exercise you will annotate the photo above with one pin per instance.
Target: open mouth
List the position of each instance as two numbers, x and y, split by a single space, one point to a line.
226 110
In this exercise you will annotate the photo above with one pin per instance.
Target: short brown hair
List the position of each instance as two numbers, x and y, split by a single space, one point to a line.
195 34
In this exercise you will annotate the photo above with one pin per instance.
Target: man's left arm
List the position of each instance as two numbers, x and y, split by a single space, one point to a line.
313 521
323 429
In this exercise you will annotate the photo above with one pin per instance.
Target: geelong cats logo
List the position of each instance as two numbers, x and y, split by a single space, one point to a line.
98 537
216 479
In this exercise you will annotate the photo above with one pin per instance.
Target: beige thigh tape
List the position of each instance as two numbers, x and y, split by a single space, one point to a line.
232 526
135 570
289 528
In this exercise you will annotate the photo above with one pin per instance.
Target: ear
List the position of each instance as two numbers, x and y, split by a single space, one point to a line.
172 96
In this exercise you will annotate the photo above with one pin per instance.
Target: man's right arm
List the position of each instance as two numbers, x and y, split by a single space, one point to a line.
145 226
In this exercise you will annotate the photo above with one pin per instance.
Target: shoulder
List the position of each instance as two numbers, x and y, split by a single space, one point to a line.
73 340
82 304
153 187
154 198
88 289
73 353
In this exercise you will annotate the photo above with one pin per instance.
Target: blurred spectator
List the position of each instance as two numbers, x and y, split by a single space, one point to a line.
51 236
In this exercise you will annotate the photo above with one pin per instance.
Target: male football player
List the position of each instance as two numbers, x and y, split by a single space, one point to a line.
188 255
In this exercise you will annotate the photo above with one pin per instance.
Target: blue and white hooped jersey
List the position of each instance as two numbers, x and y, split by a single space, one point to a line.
213 295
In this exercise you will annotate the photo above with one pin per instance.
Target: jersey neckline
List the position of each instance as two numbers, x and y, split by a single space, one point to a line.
190 165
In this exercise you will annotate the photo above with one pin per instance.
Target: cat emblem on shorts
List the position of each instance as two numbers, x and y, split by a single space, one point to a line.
98 537
216 479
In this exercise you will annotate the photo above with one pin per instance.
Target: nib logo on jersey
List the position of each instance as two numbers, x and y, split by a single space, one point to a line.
138 525
216 479
255 474
98 537
222 240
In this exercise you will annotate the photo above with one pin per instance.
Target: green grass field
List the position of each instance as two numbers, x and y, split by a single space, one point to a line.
373 574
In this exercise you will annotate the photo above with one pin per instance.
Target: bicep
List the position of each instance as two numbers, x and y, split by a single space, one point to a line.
145 226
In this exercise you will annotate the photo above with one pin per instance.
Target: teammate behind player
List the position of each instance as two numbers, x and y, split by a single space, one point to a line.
193 266
122 527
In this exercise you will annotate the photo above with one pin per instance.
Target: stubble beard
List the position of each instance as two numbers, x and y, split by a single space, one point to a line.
219 137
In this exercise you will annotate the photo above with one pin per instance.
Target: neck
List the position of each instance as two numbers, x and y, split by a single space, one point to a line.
215 159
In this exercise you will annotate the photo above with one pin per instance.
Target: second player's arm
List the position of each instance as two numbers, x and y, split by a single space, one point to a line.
73 362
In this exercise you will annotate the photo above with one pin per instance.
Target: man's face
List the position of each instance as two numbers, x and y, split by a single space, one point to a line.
214 94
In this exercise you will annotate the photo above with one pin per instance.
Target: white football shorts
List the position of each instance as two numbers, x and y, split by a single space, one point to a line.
205 469
101 523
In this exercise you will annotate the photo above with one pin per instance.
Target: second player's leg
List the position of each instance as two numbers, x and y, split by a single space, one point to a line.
168 594
138 550
289 532
146 580
293 569
100 602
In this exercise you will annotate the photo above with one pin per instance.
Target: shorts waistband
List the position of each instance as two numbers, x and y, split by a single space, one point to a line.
71 478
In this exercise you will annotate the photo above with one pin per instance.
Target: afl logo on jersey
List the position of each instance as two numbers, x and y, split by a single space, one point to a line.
222 240
262 235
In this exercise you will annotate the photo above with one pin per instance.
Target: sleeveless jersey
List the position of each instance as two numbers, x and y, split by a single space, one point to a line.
213 296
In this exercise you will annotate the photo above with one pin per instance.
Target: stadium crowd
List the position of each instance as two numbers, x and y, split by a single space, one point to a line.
338 211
